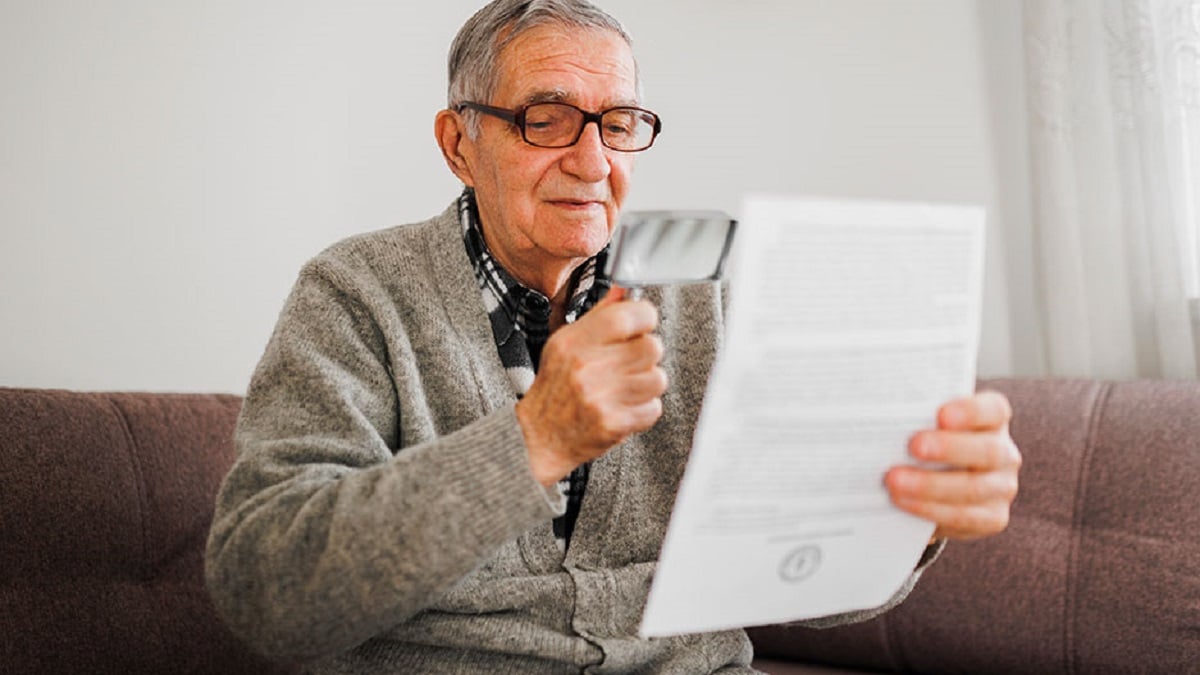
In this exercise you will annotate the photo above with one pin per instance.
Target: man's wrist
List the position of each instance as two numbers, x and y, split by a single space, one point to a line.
548 466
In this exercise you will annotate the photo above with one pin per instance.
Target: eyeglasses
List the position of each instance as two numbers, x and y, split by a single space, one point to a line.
559 125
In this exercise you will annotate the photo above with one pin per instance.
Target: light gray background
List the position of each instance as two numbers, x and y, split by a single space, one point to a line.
166 167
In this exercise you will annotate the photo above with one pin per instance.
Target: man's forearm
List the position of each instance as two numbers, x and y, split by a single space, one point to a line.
331 555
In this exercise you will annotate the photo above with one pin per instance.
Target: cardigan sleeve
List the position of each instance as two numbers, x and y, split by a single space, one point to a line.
325 535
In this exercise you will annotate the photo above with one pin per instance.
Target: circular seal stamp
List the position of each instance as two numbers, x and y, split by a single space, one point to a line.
801 563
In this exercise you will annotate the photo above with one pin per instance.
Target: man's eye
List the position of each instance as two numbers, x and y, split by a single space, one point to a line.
619 123
544 122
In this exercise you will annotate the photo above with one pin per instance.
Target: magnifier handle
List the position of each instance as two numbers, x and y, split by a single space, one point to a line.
634 293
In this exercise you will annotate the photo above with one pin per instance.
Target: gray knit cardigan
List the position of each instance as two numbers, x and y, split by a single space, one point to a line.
382 516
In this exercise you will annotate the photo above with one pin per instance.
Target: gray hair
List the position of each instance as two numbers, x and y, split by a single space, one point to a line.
474 59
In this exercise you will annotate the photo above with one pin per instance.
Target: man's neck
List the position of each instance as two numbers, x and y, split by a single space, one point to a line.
555 285
551 279
558 310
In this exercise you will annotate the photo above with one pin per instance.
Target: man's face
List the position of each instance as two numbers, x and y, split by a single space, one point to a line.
542 207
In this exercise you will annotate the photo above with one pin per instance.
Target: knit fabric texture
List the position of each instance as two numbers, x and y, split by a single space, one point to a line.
382 515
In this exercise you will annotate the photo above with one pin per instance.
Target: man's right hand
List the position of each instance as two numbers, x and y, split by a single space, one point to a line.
598 382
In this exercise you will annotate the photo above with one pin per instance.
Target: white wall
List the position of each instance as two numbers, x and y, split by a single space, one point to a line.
166 167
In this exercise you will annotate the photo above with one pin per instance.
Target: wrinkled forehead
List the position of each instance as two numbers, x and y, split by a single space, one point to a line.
568 64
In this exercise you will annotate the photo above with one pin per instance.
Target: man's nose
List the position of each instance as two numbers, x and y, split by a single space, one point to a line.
588 158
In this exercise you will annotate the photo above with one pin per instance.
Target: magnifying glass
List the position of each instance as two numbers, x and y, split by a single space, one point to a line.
654 248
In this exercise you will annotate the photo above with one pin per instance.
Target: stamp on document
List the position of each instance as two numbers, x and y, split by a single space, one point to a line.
800 563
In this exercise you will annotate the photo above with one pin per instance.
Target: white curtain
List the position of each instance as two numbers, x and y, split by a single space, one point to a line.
1114 124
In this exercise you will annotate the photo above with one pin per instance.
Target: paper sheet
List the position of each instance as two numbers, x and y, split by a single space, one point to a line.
850 323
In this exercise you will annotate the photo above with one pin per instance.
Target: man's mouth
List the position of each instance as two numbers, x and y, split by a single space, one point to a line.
579 204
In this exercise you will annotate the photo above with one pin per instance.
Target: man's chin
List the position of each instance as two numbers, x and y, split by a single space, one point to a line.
580 233
586 244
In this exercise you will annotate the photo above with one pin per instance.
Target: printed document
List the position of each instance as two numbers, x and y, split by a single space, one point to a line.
850 323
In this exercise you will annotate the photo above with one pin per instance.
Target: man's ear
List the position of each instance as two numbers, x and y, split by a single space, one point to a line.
450 130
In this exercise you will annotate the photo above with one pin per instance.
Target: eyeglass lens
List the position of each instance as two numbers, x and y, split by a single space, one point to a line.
555 125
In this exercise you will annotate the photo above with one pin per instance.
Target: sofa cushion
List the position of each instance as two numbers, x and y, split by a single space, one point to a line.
105 509
1099 570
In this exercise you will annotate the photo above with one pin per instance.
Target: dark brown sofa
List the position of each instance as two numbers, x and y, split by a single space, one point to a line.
105 502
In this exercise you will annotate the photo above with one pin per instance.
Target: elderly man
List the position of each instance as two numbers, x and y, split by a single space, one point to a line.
460 449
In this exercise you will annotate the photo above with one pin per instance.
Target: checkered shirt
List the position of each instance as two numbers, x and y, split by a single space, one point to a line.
520 319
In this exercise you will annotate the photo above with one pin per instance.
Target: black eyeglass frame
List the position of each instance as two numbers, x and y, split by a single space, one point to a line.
516 117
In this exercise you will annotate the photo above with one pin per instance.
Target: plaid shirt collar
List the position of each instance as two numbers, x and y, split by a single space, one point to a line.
517 308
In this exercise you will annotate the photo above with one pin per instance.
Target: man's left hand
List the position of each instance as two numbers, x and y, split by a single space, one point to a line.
970 493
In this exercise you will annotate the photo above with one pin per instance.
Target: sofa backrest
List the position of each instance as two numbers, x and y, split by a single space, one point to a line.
105 505
106 500
1099 571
